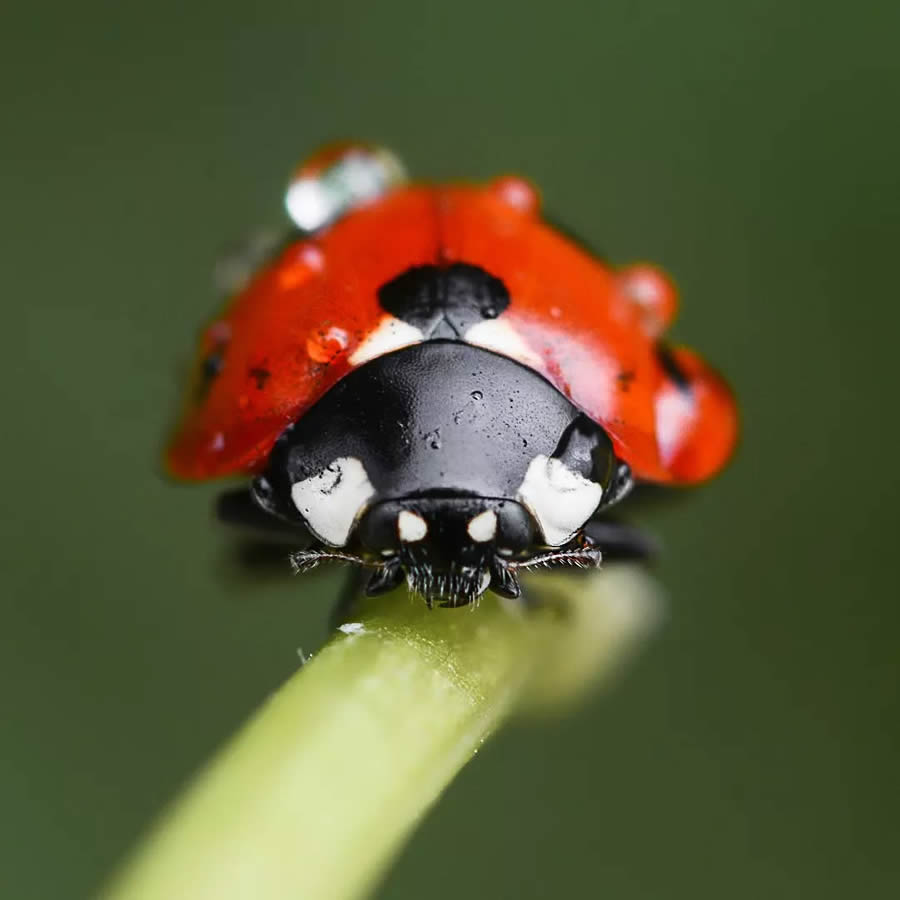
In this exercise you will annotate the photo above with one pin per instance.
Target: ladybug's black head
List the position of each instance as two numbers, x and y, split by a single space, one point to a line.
445 465
448 547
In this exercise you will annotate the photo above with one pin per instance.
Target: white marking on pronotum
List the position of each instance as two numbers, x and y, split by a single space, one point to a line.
391 333
411 527
499 335
331 500
482 527
560 500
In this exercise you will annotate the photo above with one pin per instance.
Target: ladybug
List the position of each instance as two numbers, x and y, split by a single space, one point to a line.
432 382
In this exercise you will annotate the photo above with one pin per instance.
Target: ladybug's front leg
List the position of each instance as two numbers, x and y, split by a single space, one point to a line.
619 541
601 540
238 508
264 542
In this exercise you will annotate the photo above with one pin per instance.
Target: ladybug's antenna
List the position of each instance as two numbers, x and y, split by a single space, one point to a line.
306 560
583 558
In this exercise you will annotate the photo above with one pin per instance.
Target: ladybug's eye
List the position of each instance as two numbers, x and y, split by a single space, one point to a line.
337 180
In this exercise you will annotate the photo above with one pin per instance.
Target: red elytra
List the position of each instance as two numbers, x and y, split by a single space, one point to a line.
588 328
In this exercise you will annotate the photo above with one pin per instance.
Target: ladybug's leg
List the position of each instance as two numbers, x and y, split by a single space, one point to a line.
264 542
647 495
615 540
238 508
619 541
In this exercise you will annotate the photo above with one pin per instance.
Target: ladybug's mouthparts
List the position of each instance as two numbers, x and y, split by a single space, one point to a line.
459 585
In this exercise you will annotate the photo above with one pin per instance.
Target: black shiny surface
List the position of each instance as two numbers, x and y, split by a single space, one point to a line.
443 302
437 416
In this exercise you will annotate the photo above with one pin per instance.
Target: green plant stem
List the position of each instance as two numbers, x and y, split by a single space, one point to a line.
318 791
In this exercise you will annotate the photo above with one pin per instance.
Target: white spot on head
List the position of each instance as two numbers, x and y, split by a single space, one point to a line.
411 527
498 335
390 334
482 527
560 500
331 500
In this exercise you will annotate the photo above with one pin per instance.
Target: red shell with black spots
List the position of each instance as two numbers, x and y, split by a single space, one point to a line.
590 329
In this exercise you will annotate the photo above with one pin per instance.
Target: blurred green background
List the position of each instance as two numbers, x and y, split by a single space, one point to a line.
750 147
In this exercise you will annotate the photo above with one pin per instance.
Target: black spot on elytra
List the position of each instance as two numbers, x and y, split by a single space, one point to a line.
670 366
213 364
624 380
261 376
210 369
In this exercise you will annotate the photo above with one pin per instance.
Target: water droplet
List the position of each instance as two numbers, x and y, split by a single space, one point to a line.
312 256
304 261
218 333
517 193
323 345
